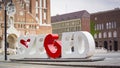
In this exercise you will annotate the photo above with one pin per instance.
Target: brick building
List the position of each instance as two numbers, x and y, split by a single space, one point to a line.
107 25
32 16
71 22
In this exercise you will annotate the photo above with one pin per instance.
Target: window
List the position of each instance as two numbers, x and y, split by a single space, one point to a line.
78 28
114 24
109 34
37 7
72 23
67 23
68 29
100 35
95 18
105 35
62 24
45 15
97 26
28 1
107 25
18 25
95 35
44 1
115 34
102 26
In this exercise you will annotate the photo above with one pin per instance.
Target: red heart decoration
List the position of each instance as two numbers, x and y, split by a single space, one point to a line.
25 43
52 46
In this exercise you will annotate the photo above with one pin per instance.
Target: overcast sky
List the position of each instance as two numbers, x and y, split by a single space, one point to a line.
67 6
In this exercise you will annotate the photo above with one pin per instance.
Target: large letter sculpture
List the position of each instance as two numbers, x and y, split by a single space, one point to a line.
26 45
77 45
40 49
52 46
32 46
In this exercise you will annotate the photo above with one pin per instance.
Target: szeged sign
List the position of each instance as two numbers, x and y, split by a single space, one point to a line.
72 45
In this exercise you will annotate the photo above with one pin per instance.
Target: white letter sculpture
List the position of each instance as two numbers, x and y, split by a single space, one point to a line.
74 45
77 45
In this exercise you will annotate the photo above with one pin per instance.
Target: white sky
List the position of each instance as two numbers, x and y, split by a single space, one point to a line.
67 6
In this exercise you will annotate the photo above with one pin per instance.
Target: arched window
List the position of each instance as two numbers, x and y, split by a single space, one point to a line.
107 25
114 24
102 26
100 35
109 34
95 18
115 34
105 35
95 27
95 35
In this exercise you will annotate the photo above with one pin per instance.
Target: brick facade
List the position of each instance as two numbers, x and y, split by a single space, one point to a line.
29 17
107 25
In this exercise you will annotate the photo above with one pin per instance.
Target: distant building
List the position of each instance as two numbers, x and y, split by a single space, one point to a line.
107 25
71 22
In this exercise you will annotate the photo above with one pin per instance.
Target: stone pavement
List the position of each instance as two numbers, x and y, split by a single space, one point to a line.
114 63
112 60
21 65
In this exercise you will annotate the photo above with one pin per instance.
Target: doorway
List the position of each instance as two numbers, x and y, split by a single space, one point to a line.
105 45
115 45
96 44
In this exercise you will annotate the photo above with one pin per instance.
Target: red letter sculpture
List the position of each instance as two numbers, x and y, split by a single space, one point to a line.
52 46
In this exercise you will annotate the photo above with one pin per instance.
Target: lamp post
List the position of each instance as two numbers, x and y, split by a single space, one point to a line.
5 26
5 2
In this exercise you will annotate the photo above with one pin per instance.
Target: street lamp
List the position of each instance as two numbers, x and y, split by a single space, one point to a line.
5 3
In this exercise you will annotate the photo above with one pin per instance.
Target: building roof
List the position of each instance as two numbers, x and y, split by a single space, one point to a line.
108 11
68 16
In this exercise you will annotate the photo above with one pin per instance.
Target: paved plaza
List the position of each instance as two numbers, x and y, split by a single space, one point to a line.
21 65
112 60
